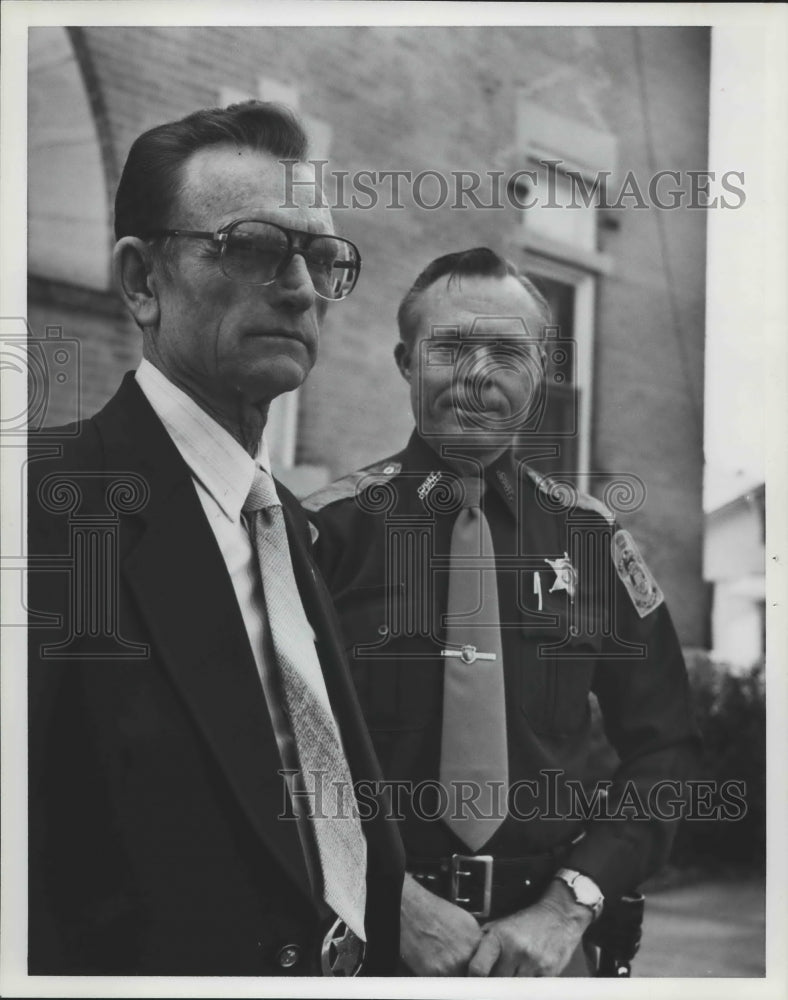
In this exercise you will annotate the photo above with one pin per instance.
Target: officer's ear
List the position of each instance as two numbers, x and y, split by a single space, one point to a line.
404 358
133 266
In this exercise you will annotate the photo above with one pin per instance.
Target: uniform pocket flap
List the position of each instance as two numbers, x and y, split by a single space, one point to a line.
367 615
562 626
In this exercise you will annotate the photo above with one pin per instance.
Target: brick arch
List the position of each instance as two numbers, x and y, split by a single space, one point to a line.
68 164
101 117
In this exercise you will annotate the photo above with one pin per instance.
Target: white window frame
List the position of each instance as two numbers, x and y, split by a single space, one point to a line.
584 284
541 135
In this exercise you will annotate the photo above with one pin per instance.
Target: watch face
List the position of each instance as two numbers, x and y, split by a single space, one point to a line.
586 892
584 889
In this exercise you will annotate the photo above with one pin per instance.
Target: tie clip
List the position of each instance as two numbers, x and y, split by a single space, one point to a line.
468 654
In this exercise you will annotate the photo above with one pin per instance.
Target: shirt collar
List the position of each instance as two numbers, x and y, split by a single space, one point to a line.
215 458
504 479
500 474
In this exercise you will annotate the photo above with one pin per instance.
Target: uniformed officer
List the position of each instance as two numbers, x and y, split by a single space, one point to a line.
481 605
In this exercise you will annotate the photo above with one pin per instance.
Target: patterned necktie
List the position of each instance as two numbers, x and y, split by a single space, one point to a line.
340 841
473 739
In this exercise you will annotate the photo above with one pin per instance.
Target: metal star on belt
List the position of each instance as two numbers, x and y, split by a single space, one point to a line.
343 951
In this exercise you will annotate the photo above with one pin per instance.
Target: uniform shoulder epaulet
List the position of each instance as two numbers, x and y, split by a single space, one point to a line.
342 489
557 489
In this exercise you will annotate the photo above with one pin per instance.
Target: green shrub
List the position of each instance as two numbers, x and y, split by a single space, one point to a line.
730 709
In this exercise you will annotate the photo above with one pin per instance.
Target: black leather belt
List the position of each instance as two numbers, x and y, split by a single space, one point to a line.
487 886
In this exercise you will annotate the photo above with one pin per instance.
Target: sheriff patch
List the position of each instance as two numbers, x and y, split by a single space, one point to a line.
643 589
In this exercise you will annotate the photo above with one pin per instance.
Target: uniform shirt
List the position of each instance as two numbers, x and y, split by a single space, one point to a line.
383 538
222 473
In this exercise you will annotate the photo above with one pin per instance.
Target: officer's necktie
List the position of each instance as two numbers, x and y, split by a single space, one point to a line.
474 762
340 842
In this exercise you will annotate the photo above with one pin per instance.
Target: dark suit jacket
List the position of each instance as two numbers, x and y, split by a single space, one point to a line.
155 839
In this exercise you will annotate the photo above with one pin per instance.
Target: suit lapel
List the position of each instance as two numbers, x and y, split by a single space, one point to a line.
180 582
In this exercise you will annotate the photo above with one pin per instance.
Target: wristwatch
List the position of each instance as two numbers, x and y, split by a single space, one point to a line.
585 890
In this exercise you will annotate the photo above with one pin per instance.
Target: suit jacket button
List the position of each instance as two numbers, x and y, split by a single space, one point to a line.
288 956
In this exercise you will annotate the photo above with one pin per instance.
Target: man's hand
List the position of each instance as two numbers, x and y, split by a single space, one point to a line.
437 938
538 941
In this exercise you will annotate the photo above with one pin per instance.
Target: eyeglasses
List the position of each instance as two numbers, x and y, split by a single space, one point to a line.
253 252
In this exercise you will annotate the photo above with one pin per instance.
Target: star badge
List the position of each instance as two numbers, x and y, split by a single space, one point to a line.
343 951
565 575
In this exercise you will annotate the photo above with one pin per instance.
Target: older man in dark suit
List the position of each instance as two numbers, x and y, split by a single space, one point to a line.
190 709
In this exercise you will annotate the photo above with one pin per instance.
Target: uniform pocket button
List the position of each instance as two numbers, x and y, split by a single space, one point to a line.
288 956
383 630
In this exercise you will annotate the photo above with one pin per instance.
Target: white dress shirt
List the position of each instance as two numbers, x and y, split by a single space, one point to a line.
222 473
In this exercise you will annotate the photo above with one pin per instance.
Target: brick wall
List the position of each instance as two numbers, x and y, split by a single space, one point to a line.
444 99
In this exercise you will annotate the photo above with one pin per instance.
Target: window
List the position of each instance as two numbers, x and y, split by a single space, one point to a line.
557 247
563 393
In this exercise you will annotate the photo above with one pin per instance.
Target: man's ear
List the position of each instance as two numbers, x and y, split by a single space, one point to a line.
132 266
404 358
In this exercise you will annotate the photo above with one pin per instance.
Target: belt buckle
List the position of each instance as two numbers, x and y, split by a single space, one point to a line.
342 952
462 867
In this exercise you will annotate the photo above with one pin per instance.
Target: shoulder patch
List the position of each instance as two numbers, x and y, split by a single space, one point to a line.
643 589
557 489
342 489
